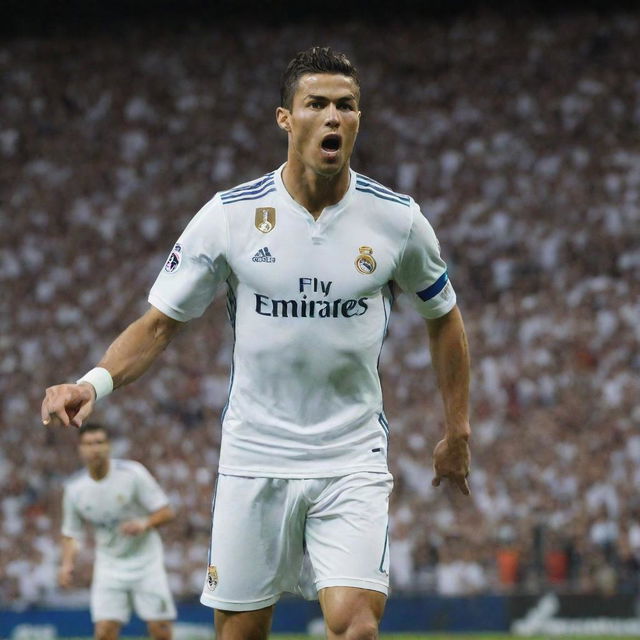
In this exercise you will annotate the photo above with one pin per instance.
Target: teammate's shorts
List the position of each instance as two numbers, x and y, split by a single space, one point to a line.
148 593
275 535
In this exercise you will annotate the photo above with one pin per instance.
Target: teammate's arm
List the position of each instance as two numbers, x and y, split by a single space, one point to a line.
128 357
68 561
154 519
450 357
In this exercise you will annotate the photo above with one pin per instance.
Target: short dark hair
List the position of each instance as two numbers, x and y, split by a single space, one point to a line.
90 427
313 60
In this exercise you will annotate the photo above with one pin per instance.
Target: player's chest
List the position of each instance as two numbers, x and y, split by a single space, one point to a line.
102 505
326 258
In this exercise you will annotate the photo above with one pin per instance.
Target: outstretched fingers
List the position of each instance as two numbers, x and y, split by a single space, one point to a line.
463 484
456 479
53 408
70 404
82 413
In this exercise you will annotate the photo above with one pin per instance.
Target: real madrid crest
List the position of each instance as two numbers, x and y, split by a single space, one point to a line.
265 219
365 262
212 577
173 261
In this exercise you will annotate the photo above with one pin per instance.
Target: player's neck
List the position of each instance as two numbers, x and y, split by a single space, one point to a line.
313 191
99 470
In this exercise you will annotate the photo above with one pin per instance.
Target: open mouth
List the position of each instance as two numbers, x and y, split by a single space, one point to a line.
331 142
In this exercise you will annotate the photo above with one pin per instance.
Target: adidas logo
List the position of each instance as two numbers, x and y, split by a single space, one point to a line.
263 255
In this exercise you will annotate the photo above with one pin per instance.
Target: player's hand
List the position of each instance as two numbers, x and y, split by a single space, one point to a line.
69 404
134 527
452 460
65 576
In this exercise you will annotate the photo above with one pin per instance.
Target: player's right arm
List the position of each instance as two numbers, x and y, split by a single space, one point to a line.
183 290
128 357
69 551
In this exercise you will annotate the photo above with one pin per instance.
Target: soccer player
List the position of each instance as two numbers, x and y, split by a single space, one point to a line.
125 504
312 254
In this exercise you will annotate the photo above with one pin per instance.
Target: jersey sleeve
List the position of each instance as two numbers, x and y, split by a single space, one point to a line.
422 273
71 520
149 493
195 267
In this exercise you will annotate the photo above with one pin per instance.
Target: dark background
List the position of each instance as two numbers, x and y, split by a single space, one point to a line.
48 17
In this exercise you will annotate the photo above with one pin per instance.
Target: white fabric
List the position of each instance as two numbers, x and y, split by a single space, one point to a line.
112 596
275 535
459 578
100 379
309 307
128 491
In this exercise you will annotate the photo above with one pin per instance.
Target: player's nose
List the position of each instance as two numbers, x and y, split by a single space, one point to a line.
332 115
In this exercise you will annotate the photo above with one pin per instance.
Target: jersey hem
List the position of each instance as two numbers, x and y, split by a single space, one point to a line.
161 305
320 473
438 312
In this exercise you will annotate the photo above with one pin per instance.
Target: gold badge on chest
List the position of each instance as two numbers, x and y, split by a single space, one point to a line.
365 262
265 219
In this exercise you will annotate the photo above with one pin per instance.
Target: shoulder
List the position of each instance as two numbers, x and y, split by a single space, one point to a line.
214 209
128 467
251 190
75 480
374 190
393 213
73 485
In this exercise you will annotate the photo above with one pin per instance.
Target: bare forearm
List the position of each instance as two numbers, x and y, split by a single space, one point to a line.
69 550
128 357
450 357
137 347
160 517
140 525
65 573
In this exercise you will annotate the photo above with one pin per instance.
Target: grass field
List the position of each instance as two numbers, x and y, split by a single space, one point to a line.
429 636
437 636
463 636
423 636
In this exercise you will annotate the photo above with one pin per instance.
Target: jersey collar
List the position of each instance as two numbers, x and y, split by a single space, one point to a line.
327 211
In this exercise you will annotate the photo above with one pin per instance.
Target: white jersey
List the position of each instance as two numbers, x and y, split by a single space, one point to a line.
128 491
309 302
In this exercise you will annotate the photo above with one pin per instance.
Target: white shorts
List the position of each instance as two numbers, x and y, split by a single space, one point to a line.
148 593
275 535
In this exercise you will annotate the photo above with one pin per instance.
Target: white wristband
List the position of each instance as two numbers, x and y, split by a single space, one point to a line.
100 379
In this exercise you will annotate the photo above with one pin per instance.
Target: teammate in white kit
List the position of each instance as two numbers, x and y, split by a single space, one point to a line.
124 504
312 255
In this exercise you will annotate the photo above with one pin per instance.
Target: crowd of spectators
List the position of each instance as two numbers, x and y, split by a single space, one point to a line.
518 137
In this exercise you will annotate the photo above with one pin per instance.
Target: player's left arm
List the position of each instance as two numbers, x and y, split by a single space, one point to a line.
155 519
152 498
450 358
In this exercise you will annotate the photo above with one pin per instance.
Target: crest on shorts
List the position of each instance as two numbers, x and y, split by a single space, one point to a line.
175 258
365 262
212 577
265 219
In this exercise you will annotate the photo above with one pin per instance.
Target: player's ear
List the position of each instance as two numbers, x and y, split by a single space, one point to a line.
282 118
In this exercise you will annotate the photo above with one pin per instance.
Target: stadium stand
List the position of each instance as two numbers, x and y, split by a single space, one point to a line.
518 136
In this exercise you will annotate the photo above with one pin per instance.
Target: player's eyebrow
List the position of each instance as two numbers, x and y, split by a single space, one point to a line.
313 96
